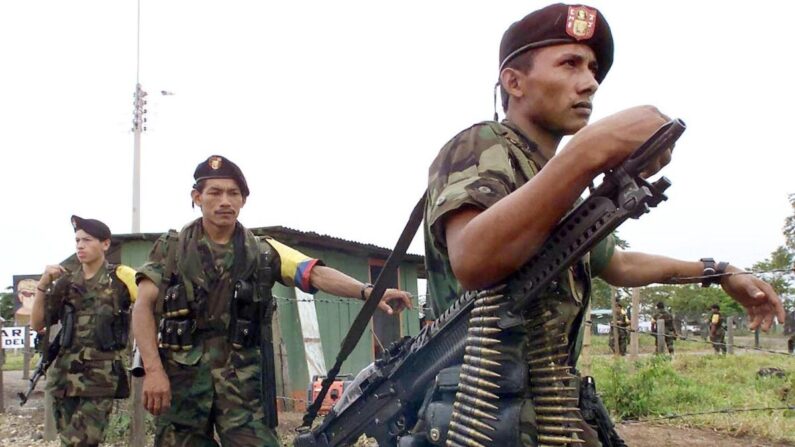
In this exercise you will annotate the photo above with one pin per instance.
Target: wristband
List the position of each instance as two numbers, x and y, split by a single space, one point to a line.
713 270
365 286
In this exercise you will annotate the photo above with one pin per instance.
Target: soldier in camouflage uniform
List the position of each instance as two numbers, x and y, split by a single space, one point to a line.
497 189
622 322
212 283
94 301
717 330
670 328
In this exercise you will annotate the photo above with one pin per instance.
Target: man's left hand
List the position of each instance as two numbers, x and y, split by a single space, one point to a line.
758 297
394 300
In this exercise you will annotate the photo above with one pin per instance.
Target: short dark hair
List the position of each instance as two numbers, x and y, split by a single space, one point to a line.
199 186
660 305
523 63
715 306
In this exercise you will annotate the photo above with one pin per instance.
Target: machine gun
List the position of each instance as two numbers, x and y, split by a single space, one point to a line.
385 399
62 338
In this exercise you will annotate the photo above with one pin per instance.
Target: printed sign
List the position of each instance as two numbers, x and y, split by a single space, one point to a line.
14 337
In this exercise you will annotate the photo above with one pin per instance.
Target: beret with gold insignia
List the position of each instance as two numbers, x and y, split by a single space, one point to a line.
556 25
93 227
217 166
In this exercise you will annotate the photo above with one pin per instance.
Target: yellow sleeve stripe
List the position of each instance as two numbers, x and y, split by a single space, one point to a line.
127 276
296 266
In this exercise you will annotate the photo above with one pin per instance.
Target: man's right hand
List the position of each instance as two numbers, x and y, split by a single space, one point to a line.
51 273
609 141
156 392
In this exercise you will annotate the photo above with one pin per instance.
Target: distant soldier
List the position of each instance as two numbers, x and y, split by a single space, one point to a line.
717 330
92 303
670 329
622 321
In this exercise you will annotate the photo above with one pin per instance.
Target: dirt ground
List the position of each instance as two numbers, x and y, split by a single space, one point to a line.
24 426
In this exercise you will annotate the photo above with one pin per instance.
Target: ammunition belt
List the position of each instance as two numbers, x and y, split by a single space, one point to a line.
481 403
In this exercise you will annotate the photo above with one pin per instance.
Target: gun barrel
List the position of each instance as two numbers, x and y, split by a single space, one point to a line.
137 367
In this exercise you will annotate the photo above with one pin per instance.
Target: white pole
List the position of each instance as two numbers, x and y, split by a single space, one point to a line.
138 126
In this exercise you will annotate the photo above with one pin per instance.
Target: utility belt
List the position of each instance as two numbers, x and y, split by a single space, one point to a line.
185 324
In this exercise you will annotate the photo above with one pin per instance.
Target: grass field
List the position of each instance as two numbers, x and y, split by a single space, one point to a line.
690 383
14 361
646 343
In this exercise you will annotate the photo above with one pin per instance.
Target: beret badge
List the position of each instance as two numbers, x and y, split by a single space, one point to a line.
581 22
215 163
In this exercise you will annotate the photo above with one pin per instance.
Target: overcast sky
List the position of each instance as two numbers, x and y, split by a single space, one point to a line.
334 110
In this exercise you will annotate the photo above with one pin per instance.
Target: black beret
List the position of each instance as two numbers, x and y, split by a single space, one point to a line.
217 166
93 227
560 24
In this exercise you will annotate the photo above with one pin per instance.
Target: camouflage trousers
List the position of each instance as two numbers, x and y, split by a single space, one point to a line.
718 341
215 389
623 341
82 421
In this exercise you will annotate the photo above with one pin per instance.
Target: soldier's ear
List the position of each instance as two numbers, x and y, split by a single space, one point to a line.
196 197
509 79
105 245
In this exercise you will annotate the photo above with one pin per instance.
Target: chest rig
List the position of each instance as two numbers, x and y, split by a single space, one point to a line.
96 314
194 307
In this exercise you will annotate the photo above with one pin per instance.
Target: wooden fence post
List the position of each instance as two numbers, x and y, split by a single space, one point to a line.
730 336
633 336
282 364
2 362
585 354
136 407
614 323
661 336
26 355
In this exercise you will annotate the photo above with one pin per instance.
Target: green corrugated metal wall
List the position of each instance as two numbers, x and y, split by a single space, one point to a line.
335 315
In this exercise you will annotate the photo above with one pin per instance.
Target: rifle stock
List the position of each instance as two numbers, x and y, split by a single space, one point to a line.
47 357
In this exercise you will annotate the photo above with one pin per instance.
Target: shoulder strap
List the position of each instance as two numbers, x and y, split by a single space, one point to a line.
172 239
528 168
387 276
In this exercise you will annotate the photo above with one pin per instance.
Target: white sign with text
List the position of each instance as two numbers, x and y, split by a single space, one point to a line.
14 337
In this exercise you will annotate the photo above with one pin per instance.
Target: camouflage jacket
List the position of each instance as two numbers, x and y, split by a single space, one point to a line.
82 369
477 168
621 317
210 270
664 315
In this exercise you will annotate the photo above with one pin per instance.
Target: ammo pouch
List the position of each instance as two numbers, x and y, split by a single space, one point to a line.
176 331
175 302
177 335
112 331
245 316
436 413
